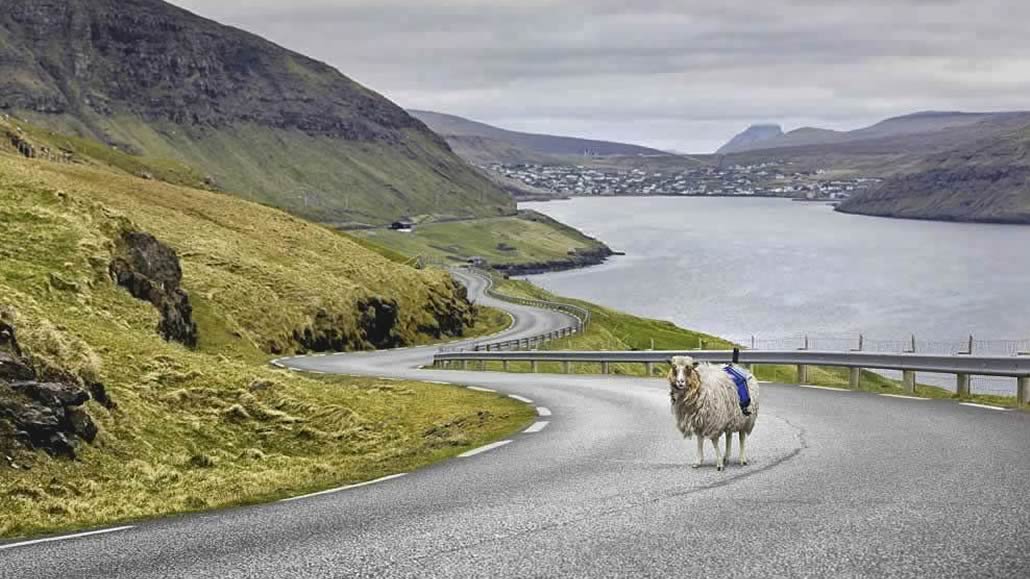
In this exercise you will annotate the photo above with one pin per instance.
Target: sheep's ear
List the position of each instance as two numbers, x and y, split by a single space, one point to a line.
672 361
696 363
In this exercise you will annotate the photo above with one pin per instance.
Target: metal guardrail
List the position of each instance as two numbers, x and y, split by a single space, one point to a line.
963 366
580 315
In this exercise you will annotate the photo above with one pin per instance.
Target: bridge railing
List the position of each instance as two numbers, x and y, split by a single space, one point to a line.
962 366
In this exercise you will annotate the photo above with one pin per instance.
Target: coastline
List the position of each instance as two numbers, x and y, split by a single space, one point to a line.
938 218
579 260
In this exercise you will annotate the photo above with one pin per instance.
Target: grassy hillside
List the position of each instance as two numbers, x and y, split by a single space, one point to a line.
251 117
210 426
527 239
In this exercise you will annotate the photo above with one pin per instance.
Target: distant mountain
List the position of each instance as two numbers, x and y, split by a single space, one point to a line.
751 138
987 180
483 143
923 124
263 122
934 165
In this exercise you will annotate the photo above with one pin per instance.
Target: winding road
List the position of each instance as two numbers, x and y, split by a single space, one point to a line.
840 483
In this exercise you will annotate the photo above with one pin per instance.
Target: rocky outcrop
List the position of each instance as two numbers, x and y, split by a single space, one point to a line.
327 332
150 270
39 414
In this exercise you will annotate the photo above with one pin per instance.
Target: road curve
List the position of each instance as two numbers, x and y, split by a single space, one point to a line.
840 483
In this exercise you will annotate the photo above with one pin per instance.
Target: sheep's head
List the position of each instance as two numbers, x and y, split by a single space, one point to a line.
682 374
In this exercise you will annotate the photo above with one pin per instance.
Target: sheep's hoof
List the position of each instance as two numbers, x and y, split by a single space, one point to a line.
696 465
743 462
718 467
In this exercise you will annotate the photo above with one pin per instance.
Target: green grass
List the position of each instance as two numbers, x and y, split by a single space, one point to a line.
613 330
489 321
214 426
324 179
527 238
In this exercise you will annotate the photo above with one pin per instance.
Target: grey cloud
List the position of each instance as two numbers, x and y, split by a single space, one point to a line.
679 74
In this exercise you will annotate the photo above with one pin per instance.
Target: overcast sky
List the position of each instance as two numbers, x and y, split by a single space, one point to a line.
680 75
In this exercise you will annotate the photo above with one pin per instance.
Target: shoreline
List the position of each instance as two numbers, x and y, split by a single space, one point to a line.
941 219
580 260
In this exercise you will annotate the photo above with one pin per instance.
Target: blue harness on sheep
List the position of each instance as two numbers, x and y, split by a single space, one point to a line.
740 379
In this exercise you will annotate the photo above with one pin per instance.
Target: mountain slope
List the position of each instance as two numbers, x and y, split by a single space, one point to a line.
162 421
985 181
751 138
483 143
261 121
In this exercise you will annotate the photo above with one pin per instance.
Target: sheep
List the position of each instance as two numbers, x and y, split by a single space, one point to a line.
706 404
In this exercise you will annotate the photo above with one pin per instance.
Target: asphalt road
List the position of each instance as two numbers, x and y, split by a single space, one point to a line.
840 483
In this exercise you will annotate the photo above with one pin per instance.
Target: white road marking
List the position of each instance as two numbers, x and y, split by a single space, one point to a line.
540 410
520 398
478 389
315 372
824 388
490 446
905 397
65 537
536 427
439 382
338 489
278 364
975 405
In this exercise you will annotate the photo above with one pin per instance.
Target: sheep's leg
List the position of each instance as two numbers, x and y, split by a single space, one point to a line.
743 454
718 457
729 444
700 452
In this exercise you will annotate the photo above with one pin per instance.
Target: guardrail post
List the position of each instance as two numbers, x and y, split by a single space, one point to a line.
565 367
504 365
1022 391
855 378
604 367
803 369
532 366
464 364
908 380
649 366
962 385
912 346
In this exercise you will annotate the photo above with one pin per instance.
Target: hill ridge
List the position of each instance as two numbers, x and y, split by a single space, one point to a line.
265 122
